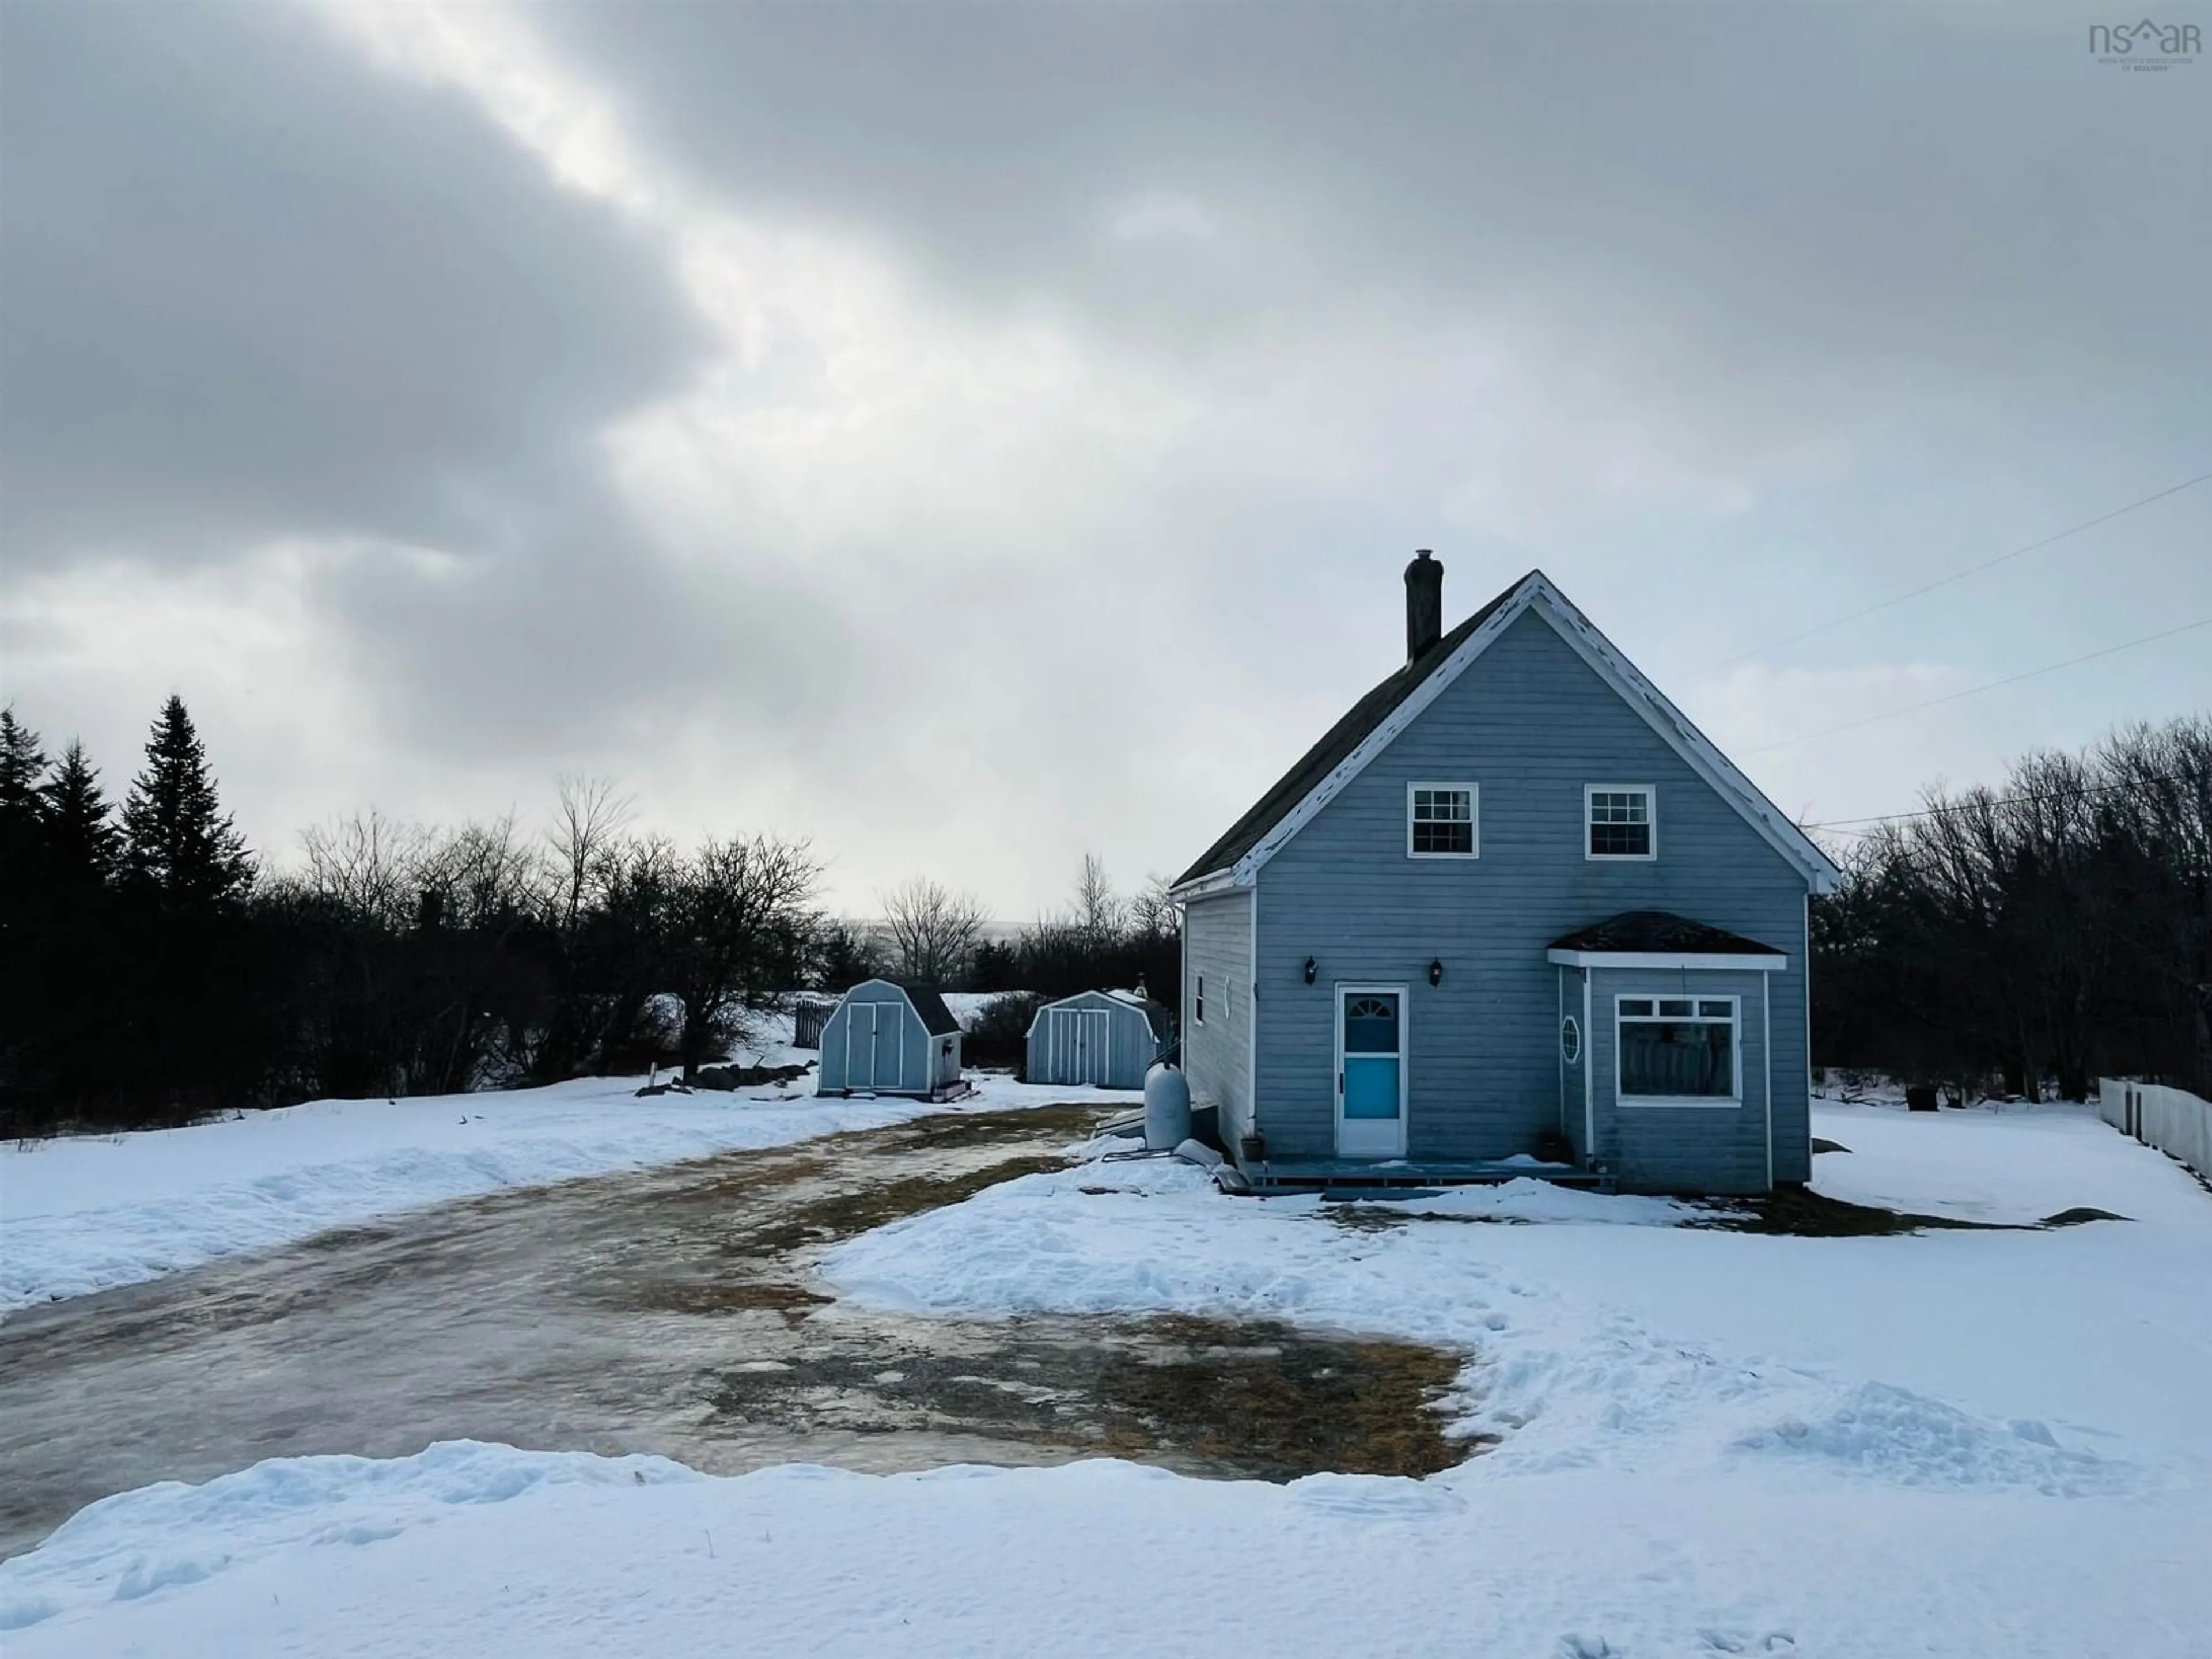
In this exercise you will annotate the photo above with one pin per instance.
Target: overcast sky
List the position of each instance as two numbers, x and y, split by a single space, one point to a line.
971 434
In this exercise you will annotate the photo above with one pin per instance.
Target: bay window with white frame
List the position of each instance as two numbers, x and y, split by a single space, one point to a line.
1679 1049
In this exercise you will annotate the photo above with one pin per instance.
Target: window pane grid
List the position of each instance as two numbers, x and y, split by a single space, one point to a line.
1667 1051
1443 821
1620 823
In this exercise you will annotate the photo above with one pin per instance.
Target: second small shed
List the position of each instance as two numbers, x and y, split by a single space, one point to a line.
1109 1038
889 1038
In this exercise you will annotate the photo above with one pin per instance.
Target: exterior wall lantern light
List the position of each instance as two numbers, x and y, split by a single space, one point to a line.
1437 971
1310 967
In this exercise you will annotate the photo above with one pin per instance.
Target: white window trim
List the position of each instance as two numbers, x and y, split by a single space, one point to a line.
1474 792
1650 794
1198 1000
1730 1102
1341 990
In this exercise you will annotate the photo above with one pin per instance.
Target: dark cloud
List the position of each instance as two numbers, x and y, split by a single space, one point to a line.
254 288
1073 370
1784 201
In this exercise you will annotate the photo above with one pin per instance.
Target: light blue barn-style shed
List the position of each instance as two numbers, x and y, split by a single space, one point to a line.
1110 1038
889 1038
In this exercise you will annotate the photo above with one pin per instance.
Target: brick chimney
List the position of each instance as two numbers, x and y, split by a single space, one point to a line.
1425 604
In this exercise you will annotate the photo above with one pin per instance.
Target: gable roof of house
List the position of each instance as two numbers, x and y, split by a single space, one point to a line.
1634 932
1335 747
1346 748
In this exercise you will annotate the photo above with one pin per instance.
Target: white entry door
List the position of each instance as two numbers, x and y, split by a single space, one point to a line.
1371 1071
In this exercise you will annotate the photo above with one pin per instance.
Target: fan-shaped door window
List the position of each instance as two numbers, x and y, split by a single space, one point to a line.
1370 1075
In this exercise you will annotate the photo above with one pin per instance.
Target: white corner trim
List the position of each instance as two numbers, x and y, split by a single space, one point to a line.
1766 1070
1670 961
1473 793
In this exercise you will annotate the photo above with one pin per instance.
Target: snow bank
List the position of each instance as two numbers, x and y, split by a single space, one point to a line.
500 1554
129 1546
2008 1163
1525 1199
85 1213
1646 1347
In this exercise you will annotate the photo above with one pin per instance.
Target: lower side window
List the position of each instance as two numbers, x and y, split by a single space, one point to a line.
1677 1047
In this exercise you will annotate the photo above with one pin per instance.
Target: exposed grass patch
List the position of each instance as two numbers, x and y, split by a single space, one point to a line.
344 1238
1801 1212
1248 1400
747 1173
999 1128
743 1296
1266 1400
845 1215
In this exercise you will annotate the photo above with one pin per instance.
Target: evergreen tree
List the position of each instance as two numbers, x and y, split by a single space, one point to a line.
22 814
21 761
178 843
84 843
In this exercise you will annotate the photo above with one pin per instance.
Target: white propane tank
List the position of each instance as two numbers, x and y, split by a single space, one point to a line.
1167 1108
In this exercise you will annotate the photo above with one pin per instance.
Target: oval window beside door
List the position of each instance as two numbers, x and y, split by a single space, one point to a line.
1571 1040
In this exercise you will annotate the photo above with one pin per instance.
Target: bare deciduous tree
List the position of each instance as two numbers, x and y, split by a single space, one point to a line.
1099 914
933 928
587 821
1152 913
737 922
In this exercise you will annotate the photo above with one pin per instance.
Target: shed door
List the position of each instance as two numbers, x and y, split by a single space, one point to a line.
875 1051
1079 1041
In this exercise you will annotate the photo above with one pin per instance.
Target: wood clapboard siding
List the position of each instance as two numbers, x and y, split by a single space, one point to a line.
1216 1055
1530 723
1712 1149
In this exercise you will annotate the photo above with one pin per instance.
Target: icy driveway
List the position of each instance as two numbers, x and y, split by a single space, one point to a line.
671 1310
1957 1443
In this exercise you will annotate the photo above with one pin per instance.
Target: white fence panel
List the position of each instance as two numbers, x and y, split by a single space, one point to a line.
2173 1119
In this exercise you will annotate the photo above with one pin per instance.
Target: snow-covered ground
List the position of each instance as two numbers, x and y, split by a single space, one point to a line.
84 1214
1957 1443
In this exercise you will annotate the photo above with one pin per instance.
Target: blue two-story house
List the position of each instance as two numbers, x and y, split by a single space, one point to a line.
1514 906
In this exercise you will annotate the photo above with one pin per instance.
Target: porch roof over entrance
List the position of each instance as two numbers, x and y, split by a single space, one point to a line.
1660 939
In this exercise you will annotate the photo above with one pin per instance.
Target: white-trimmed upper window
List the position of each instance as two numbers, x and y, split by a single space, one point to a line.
1620 821
1679 1049
1441 820
1198 1003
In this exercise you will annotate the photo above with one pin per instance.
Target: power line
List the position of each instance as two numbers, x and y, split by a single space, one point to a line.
2006 801
1976 690
1955 576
